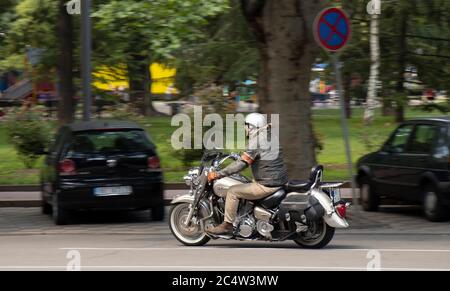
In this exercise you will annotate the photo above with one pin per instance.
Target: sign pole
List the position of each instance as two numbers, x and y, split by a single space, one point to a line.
86 47
332 31
345 130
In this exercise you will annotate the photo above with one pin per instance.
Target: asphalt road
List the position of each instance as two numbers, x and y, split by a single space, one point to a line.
122 243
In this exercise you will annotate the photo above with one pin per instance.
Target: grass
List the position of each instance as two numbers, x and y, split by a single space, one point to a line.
326 123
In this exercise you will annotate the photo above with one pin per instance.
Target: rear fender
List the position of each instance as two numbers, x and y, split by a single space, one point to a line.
330 217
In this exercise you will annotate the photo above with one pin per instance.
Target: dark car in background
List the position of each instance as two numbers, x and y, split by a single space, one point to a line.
412 166
104 165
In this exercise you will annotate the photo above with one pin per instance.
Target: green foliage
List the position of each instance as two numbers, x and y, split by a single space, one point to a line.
226 53
149 28
28 23
29 136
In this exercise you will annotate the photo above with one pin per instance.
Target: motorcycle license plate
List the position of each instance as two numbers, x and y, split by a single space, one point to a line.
335 195
113 191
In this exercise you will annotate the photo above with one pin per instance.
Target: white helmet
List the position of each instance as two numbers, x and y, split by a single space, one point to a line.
256 120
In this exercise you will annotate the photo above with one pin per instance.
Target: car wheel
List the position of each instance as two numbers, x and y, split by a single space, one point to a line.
60 216
157 213
46 208
370 201
432 206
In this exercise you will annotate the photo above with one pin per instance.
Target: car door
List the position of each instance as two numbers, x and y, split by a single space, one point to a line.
419 159
389 167
429 152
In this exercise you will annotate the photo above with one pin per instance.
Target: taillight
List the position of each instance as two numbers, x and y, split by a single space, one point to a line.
341 209
153 163
67 167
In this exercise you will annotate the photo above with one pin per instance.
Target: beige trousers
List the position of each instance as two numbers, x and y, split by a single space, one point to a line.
250 191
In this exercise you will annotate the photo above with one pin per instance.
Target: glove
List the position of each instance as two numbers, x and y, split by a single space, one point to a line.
213 176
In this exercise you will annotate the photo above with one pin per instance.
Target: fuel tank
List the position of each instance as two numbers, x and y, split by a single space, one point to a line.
221 186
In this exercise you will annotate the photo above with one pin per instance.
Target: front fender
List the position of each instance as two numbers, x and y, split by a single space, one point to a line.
183 199
190 199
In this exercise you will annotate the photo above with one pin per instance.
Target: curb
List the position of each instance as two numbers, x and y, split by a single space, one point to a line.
37 203
36 188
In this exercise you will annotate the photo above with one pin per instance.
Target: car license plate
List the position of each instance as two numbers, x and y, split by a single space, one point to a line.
113 191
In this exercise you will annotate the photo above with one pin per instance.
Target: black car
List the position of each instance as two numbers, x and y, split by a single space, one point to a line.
101 165
413 166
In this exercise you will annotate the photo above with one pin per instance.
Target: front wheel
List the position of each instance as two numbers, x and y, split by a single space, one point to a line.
191 235
318 235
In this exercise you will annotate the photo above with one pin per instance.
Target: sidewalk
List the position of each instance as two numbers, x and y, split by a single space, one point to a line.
33 198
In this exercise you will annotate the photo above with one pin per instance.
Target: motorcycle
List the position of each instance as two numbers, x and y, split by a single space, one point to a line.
307 212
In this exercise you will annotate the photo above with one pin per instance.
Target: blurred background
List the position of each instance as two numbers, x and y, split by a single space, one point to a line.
153 59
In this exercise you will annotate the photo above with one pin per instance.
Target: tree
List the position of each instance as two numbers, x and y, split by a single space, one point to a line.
65 65
224 54
374 68
137 33
284 33
44 25
414 36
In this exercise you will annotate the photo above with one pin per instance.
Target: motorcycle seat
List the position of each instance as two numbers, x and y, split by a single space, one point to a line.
272 200
299 186
304 186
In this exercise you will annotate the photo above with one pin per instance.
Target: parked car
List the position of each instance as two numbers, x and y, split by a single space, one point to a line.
413 165
101 165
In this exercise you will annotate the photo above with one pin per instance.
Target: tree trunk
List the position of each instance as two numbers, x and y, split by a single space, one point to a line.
140 81
66 106
400 89
369 111
284 31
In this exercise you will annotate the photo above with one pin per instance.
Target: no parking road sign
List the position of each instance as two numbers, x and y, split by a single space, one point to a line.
332 29
332 32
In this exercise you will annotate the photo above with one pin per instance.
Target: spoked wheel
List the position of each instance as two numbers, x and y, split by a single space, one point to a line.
318 235
191 235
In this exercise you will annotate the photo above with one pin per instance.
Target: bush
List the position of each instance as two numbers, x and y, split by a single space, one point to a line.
29 136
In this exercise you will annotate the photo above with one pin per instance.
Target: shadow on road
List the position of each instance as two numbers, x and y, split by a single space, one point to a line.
109 217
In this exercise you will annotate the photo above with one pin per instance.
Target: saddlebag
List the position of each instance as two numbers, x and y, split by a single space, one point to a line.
297 204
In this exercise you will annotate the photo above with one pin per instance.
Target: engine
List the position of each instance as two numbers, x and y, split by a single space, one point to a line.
246 227
259 222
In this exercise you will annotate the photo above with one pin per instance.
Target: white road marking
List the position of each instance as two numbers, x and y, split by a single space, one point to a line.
223 268
253 249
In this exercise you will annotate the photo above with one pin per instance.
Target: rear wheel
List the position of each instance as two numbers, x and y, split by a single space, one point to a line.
46 208
60 216
191 235
370 201
432 205
157 213
318 235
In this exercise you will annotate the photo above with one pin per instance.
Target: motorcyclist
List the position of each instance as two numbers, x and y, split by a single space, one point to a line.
268 171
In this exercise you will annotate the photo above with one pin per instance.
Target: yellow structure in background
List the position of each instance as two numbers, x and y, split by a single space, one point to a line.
113 79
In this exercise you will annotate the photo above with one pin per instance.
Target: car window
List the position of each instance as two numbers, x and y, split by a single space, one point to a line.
104 142
423 138
400 138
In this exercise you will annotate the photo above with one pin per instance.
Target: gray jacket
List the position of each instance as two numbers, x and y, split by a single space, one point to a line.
266 162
